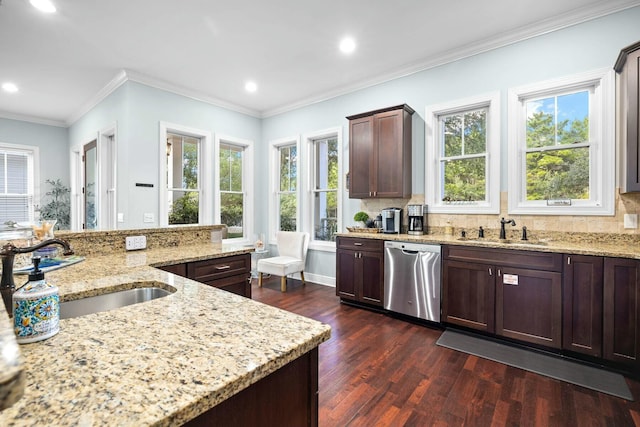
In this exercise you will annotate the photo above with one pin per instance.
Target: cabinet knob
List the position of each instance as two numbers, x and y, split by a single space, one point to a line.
490 272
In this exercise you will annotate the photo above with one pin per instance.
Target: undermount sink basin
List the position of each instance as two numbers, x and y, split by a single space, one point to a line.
110 301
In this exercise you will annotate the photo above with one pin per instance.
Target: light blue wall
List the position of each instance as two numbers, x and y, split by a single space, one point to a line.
138 110
588 46
52 143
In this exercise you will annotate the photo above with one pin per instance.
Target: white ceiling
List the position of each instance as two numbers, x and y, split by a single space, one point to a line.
64 63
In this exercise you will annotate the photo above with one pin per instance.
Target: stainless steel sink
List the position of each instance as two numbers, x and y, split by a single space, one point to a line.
110 301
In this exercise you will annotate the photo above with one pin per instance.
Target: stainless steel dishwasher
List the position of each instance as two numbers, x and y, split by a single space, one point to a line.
412 279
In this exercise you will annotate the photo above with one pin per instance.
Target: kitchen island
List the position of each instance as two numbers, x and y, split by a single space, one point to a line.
162 362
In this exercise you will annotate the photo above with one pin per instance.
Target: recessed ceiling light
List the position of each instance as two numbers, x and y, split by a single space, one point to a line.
45 6
251 87
347 45
9 87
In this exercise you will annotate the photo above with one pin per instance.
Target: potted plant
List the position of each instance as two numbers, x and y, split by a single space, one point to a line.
361 218
58 206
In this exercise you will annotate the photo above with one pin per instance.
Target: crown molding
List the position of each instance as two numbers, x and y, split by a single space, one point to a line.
32 119
556 23
107 90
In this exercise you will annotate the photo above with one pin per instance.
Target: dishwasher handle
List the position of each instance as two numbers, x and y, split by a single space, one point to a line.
408 252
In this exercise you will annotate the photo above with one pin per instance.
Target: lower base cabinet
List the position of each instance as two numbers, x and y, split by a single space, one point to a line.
582 288
360 270
622 312
232 273
287 397
484 289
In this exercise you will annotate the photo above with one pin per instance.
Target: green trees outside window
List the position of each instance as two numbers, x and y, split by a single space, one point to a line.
231 189
287 193
463 164
557 152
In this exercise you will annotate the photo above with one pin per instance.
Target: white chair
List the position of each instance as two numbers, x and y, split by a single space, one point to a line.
292 255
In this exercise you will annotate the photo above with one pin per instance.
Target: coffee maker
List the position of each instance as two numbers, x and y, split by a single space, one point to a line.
417 219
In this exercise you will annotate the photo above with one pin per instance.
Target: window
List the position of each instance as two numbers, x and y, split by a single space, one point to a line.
183 165
322 207
185 180
233 205
284 185
17 182
463 156
561 146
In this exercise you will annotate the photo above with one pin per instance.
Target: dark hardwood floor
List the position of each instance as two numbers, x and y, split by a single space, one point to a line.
377 370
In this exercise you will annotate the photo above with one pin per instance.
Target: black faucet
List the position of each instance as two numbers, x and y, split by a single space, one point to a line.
524 233
503 232
8 253
480 232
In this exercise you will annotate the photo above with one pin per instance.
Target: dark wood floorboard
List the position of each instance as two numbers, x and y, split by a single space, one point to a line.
377 370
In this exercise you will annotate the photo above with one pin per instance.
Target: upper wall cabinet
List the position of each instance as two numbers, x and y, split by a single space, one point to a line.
628 68
380 153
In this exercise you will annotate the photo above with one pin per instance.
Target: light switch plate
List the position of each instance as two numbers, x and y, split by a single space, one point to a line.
120 217
148 217
134 243
630 220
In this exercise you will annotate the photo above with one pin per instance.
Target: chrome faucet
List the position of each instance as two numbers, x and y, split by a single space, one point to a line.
503 232
8 253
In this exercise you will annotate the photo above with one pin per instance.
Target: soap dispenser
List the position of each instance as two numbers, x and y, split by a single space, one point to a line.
36 308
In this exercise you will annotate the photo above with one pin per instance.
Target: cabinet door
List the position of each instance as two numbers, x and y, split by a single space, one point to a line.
633 121
388 154
622 311
468 297
372 281
361 158
347 273
529 306
582 304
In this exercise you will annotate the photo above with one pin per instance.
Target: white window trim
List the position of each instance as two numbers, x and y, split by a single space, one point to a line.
205 167
34 172
491 101
602 149
247 184
274 180
307 195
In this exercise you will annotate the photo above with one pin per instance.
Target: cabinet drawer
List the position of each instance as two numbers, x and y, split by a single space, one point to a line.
218 268
359 244
179 269
240 285
505 257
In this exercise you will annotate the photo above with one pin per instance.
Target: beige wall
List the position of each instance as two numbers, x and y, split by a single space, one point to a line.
625 204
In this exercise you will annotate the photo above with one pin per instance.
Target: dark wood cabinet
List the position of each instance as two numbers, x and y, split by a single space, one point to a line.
380 153
622 311
231 273
287 397
529 305
468 295
628 113
360 270
515 294
582 304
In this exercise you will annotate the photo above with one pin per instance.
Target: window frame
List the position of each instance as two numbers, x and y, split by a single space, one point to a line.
309 179
274 184
433 175
247 185
204 173
601 144
33 173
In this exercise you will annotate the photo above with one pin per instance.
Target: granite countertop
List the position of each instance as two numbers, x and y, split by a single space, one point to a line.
605 245
161 362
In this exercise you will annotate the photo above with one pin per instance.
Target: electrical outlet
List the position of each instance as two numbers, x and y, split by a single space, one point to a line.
134 243
630 220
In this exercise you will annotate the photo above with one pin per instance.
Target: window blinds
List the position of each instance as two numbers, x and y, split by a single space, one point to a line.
16 196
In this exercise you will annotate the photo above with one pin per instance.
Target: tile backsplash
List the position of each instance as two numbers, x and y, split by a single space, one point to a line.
625 204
